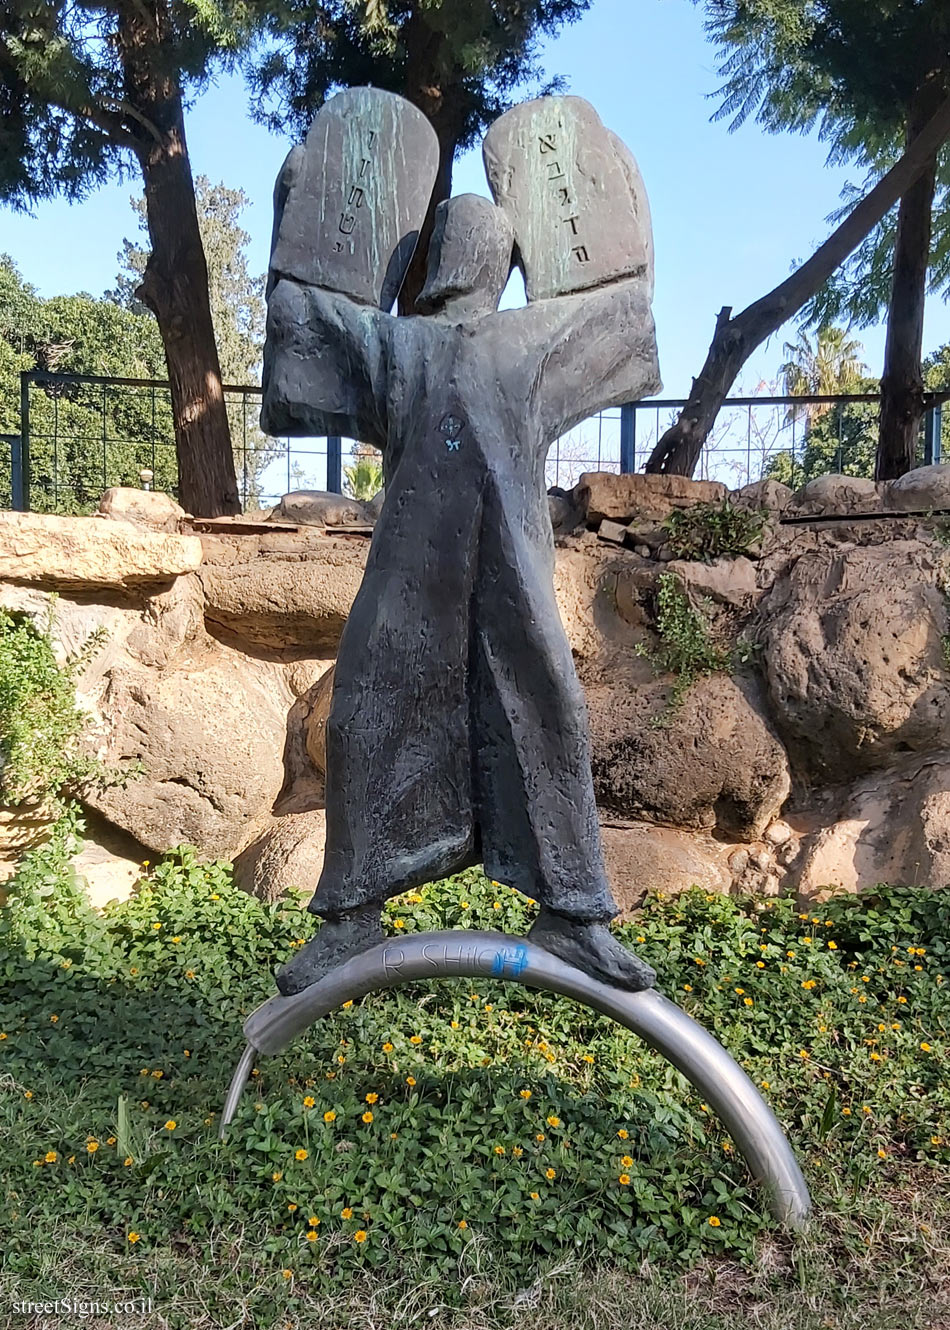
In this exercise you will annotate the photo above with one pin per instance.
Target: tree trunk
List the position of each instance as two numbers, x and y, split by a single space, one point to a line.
678 451
902 383
175 284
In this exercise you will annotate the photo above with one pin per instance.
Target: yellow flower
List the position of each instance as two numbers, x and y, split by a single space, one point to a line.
92 1147
517 1151
288 1274
882 1154
53 1019
372 1098
714 1221
687 988
875 1057
740 991
51 1156
341 1059
189 974
314 1221
587 1058
902 1000
399 923
925 1046
464 904
276 1177
127 1161
846 1112
540 1136
747 1002
329 1116
3 1035
346 1213
550 1174
157 1074
171 1124
624 1179
215 896
292 1206
489 1007
312 1235
133 1237
300 1154
156 925
623 1133
808 983
499 1149
348 1003
367 1116
309 1101
360 1235
804 1054
865 1109
387 1048
760 965
410 1080
627 1161
415 1039
525 1094
176 939
554 1121
463 1224
535 1196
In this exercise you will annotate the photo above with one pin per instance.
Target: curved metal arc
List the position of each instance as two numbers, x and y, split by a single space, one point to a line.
465 954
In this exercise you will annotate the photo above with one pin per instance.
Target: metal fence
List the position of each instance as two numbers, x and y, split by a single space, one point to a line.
82 433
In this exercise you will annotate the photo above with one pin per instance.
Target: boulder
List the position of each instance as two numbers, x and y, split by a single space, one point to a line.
601 495
22 829
374 506
769 494
287 857
920 490
321 508
642 859
892 827
714 764
854 657
90 552
726 581
286 590
319 698
210 736
835 496
151 509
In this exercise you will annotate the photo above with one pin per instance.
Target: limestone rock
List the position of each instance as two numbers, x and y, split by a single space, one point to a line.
643 860
90 552
893 827
621 498
714 764
578 210
854 656
769 494
152 509
287 857
920 490
288 590
21 829
210 735
726 581
319 699
320 508
106 876
835 496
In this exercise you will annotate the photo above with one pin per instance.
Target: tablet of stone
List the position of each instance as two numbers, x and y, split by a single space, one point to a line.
641 204
555 170
360 193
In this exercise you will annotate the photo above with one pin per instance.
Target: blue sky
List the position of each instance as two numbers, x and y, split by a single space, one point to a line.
731 212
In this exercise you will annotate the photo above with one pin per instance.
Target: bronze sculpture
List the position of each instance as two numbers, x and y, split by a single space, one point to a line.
457 733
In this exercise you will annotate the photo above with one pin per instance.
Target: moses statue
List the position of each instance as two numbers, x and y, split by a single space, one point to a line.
457 732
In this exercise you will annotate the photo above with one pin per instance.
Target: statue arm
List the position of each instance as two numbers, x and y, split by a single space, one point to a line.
323 365
589 351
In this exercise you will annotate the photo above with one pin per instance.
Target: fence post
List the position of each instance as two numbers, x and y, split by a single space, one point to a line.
933 426
24 468
334 464
628 439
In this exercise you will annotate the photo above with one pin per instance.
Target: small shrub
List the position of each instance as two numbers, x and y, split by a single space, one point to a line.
686 645
712 530
40 719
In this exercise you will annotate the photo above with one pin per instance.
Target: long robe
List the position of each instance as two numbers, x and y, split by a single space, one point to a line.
457 732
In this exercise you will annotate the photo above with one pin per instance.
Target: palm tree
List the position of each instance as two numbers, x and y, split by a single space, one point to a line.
828 364
364 479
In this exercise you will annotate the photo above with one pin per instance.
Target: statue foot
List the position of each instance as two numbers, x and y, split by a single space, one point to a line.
337 940
593 949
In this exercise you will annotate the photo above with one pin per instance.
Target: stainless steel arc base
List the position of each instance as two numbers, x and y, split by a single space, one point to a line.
474 955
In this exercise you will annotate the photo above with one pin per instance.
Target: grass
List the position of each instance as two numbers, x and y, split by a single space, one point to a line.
477 1135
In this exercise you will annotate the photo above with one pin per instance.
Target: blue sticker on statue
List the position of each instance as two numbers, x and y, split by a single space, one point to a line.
511 962
451 428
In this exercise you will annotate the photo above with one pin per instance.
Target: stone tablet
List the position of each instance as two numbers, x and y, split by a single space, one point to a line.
358 196
579 214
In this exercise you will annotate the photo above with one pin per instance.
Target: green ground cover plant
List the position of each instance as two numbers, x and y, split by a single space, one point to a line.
710 531
464 1154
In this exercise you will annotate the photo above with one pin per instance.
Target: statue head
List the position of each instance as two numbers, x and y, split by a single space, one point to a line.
469 258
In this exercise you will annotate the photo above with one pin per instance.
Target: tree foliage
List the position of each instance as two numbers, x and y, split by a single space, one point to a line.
82 437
